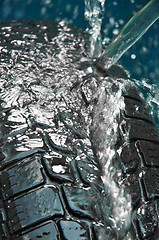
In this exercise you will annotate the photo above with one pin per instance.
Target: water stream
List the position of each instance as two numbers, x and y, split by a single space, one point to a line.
94 13
130 33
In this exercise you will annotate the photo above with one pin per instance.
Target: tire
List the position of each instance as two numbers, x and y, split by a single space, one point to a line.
56 125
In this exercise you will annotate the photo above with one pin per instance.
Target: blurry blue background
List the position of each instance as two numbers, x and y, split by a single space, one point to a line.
141 60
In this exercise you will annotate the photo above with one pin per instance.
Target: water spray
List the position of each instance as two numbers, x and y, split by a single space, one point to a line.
129 35
94 13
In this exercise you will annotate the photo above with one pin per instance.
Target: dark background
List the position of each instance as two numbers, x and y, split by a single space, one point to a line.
144 68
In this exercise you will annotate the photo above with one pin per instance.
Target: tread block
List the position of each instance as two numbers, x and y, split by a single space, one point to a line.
2 215
129 158
25 175
147 219
61 149
3 226
104 232
78 200
59 168
2 156
136 129
73 230
132 92
86 202
48 231
3 231
32 207
88 172
151 182
18 156
150 153
133 188
136 109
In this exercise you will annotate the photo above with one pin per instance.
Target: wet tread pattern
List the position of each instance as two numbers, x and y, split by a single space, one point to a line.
40 204
140 162
55 191
49 231
33 203
73 230
13 180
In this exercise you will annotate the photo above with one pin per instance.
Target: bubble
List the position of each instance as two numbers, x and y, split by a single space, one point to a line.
68 7
43 10
115 3
112 21
121 21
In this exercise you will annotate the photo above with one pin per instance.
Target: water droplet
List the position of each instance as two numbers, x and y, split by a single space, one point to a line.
43 11
115 3
121 21
112 21
133 56
58 169
116 31
68 7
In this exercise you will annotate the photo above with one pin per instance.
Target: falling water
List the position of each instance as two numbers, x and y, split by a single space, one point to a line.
130 33
104 138
94 13
109 106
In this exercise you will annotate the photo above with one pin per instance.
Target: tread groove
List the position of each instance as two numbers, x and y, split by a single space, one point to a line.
137 118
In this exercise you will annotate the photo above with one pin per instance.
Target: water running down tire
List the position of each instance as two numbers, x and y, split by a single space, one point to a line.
51 176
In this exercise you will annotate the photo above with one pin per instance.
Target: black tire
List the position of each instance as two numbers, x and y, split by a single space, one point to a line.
52 121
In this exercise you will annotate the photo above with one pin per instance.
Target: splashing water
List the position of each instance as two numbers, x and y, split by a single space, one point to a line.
104 137
150 93
130 33
94 12
109 104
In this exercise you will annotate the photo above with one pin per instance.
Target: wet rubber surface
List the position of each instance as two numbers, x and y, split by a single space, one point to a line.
51 179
